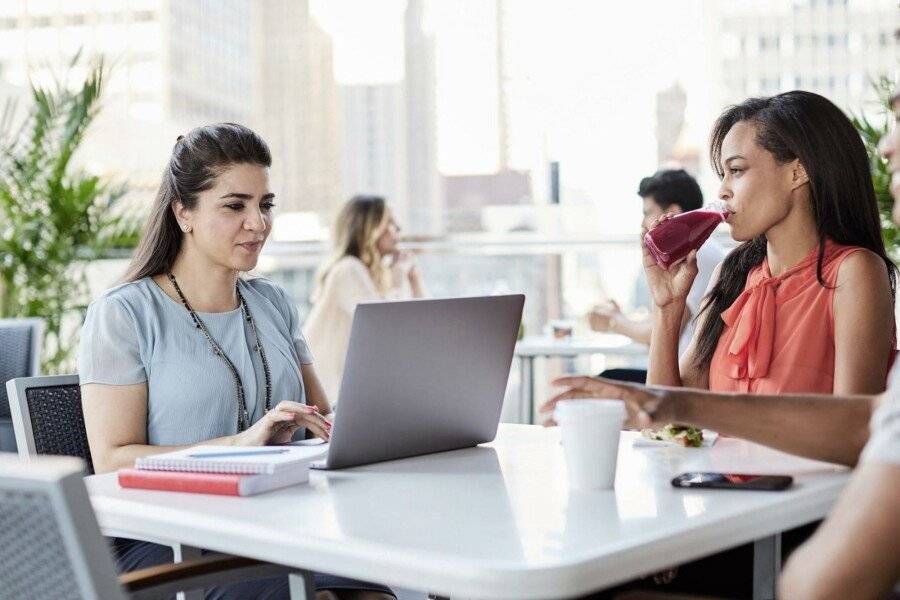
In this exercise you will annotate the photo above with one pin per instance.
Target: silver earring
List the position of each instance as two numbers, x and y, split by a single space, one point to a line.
186 228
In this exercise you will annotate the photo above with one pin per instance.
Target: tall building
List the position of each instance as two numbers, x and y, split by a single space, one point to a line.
298 111
674 149
423 187
374 144
168 60
502 108
831 47
670 105
178 64
468 195
208 60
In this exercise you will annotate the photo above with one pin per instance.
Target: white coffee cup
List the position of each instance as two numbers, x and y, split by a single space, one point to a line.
590 438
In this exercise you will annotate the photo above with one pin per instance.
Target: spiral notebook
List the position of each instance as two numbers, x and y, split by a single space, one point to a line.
231 459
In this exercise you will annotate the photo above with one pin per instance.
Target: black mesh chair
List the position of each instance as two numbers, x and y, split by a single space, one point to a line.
47 417
20 354
51 547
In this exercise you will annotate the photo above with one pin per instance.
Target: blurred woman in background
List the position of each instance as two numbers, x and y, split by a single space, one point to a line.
365 265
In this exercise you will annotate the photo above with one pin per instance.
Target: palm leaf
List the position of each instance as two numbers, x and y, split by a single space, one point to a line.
57 216
872 132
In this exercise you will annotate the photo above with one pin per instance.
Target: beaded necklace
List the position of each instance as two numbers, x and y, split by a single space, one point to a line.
243 414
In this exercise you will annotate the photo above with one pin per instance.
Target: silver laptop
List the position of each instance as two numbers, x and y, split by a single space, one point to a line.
423 376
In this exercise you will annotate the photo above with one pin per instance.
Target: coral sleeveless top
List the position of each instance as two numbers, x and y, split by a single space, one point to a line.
779 333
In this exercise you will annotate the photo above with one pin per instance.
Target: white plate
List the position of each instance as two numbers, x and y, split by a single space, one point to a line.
709 438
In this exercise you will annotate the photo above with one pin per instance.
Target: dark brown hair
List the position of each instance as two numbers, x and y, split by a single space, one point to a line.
805 126
197 159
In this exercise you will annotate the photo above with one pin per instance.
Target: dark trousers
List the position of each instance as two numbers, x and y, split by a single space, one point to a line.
633 375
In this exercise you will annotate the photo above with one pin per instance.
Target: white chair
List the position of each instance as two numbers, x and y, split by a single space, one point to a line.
51 547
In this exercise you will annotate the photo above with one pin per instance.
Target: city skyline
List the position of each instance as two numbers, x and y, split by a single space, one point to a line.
479 94
174 65
373 157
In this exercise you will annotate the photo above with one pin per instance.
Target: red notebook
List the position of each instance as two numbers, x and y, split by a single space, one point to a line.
224 484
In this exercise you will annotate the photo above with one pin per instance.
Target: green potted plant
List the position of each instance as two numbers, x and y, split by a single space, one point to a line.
54 216
872 131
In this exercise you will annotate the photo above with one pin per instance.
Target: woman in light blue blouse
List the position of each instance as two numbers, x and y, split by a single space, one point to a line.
186 351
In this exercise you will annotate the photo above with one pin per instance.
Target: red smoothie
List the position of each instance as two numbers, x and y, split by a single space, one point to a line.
672 240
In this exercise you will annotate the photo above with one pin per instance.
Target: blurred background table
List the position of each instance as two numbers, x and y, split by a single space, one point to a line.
531 347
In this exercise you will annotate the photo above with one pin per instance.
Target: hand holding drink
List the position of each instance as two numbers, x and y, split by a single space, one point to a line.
670 251
675 237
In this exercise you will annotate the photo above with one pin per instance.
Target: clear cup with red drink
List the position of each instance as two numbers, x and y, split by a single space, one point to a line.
677 236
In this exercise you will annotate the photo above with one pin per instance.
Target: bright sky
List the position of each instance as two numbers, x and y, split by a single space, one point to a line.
367 36
582 79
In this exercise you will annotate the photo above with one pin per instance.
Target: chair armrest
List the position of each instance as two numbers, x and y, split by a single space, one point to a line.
205 572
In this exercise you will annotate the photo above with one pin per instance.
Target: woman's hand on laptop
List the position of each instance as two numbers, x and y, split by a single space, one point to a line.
646 406
279 424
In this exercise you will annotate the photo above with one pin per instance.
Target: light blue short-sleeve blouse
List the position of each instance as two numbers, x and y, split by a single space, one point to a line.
136 333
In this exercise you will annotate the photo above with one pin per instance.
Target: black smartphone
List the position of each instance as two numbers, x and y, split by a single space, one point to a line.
733 481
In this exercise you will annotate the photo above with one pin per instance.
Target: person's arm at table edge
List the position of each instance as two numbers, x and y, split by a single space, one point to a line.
637 330
852 554
829 428
115 420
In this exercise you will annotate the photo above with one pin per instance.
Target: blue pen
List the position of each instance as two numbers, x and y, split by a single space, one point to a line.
240 453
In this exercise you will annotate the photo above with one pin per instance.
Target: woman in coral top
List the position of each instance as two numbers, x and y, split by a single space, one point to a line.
805 303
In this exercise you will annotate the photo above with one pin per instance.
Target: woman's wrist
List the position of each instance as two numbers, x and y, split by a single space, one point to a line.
672 306
670 315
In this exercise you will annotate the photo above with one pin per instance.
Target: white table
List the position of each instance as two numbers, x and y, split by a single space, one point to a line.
531 347
493 522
